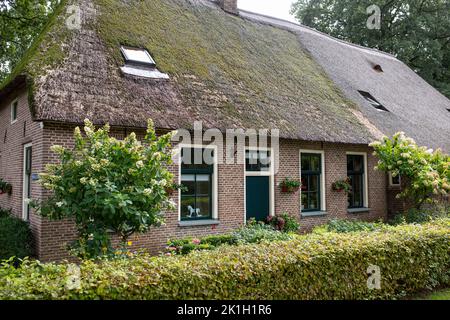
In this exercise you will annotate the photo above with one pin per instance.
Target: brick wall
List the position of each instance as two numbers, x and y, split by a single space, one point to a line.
13 137
51 238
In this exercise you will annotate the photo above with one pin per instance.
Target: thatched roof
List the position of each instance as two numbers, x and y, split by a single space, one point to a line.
225 70
415 107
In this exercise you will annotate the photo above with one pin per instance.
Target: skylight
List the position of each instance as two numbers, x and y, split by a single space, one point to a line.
372 101
137 56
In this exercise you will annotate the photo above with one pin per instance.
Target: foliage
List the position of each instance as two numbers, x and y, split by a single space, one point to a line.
427 171
346 226
422 216
283 222
330 266
342 185
15 237
21 21
290 185
5 187
108 185
417 32
252 233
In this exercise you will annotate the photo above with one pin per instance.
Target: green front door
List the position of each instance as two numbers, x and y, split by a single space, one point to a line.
257 197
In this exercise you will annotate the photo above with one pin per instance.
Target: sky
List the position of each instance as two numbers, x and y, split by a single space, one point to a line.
274 8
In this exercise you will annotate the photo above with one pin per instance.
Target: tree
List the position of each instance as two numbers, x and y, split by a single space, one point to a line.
427 171
20 22
416 31
108 185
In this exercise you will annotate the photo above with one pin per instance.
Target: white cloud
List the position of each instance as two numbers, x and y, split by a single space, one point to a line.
274 8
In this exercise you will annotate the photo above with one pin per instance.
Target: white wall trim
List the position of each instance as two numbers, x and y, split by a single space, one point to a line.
215 194
366 174
323 196
269 174
391 184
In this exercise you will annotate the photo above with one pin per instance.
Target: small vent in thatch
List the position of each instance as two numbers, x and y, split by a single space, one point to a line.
378 68
372 101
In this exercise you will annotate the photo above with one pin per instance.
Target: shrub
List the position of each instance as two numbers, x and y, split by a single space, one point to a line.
427 171
252 233
259 233
283 222
106 184
345 226
15 237
329 266
421 215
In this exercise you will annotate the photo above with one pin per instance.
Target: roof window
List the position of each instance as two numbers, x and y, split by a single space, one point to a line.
372 101
137 56
139 63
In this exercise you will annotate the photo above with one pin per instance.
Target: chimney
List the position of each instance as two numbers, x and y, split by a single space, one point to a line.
229 6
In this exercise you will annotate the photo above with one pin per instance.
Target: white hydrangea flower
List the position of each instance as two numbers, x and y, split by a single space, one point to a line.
140 164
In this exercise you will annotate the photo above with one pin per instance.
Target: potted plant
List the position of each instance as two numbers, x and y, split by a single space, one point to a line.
342 185
289 185
170 189
5 187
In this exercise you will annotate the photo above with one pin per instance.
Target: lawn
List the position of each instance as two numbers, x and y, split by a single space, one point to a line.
443 294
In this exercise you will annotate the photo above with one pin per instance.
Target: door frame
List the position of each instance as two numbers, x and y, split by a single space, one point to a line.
24 182
269 174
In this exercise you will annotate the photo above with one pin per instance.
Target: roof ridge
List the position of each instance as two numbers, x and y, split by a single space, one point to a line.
299 25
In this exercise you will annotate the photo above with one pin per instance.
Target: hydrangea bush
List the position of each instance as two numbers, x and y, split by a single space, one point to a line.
109 186
427 171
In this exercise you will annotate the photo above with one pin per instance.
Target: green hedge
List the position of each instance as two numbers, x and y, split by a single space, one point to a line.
15 236
328 266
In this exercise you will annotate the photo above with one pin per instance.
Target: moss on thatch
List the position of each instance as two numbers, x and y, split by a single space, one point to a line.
224 70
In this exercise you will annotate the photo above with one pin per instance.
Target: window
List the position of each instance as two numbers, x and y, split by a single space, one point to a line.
14 106
257 160
394 181
356 174
311 177
197 176
137 56
372 101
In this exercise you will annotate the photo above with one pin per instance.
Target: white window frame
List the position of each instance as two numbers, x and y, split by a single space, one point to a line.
15 101
366 179
391 183
128 59
323 201
215 182
24 182
269 174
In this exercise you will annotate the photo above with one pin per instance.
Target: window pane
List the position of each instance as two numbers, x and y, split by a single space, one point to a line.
315 163
256 160
203 207
187 207
203 184
314 183
306 159
314 201
197 159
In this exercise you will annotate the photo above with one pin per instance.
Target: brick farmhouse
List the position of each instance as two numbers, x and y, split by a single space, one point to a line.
180 61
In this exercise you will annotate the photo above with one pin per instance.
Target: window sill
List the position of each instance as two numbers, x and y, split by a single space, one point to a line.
358 210
195 223
313 214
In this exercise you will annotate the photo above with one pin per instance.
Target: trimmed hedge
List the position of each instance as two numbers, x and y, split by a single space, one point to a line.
345 226
15 236
327 266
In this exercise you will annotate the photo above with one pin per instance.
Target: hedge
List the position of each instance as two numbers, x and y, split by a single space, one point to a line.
15 236
328 266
